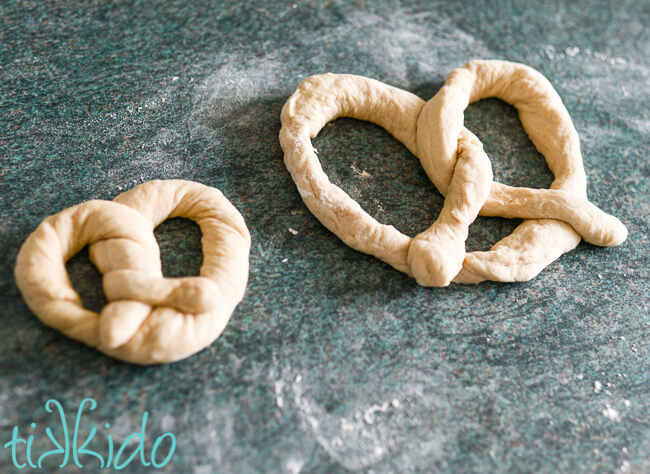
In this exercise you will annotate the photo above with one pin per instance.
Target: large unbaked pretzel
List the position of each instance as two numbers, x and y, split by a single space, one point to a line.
456 163
149 318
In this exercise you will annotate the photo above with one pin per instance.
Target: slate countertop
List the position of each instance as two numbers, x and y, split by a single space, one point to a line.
334 362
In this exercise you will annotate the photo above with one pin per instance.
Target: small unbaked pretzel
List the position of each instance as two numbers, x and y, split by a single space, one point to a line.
456 163
149 318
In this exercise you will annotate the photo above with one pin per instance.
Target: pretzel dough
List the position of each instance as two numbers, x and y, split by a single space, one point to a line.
456 163
149 318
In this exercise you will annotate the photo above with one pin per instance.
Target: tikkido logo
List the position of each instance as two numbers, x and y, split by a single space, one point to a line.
71 448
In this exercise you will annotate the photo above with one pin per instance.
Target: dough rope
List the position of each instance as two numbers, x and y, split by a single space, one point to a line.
453 158
149 318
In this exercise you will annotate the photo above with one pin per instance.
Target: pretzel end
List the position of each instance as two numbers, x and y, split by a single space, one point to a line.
119 321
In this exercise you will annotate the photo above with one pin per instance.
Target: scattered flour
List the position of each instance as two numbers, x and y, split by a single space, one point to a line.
597 386
611 413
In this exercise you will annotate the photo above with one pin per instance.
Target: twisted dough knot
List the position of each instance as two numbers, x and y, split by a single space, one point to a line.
149 318
454 160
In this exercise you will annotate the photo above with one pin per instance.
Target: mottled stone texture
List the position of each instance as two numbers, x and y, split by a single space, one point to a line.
334 362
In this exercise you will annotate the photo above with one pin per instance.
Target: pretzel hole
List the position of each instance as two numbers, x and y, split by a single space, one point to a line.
181 253
378 172
86 280
515 161
487 231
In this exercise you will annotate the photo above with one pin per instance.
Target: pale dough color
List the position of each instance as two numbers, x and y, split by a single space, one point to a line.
456 163
149 319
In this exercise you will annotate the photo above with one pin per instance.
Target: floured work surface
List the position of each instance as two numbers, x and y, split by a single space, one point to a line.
334 361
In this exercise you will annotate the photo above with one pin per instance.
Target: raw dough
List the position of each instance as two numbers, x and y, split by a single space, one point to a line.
456 163
149 319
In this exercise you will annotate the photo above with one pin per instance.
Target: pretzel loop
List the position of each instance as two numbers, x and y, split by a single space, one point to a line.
149 318
456 163
548 124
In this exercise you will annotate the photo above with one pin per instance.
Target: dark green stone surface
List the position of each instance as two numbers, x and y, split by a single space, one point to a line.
96 98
